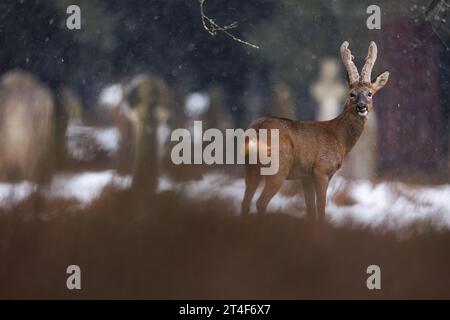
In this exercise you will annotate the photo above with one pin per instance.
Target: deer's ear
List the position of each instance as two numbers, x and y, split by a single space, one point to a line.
380 81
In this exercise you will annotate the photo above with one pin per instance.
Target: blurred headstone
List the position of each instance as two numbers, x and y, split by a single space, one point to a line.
26 128
144 105
328 90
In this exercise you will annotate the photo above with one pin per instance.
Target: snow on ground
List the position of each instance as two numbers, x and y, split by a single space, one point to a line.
393 204
84 187
386 204
221 186
87 186
83 141
13 193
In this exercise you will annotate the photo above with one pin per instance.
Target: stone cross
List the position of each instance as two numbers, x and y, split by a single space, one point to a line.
328 91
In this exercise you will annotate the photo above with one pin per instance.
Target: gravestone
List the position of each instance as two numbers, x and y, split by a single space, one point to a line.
26 128
328 90
144 105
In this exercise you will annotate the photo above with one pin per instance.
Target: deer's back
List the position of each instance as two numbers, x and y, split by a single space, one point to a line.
304 144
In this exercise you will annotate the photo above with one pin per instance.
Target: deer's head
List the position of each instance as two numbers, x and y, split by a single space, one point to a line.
361 88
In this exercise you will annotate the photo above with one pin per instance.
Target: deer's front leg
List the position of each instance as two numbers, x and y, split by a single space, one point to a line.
310 197
320 186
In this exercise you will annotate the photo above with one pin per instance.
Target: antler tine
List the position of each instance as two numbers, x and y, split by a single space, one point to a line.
347 59
366 71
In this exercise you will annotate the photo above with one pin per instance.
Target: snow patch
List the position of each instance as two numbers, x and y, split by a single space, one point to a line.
196 104
83 141
87 186
387 204
13 193
84 187
391 205
111 96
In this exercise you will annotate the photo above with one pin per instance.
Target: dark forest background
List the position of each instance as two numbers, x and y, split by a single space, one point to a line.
120 39
138 243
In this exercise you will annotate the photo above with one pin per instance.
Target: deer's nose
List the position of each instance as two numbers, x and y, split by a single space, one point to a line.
361 105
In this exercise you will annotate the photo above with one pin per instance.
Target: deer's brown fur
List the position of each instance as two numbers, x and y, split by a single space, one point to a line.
313 151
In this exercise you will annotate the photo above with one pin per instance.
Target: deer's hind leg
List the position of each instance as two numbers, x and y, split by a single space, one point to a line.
320 186
310 197
271 187
252 180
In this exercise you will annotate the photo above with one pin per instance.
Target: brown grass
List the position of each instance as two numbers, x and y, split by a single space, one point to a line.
180 249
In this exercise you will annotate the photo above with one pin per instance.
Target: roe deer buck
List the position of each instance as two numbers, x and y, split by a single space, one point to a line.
313 151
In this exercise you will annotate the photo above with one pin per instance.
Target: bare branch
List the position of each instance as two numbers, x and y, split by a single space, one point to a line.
436 14
213 28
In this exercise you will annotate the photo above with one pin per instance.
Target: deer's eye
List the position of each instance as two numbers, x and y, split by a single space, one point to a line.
369 94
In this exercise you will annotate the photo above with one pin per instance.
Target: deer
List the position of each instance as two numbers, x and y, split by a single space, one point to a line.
312 151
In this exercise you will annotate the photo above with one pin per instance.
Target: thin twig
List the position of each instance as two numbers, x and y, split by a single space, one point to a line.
212 27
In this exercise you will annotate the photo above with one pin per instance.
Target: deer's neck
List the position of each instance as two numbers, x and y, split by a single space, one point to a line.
349 126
